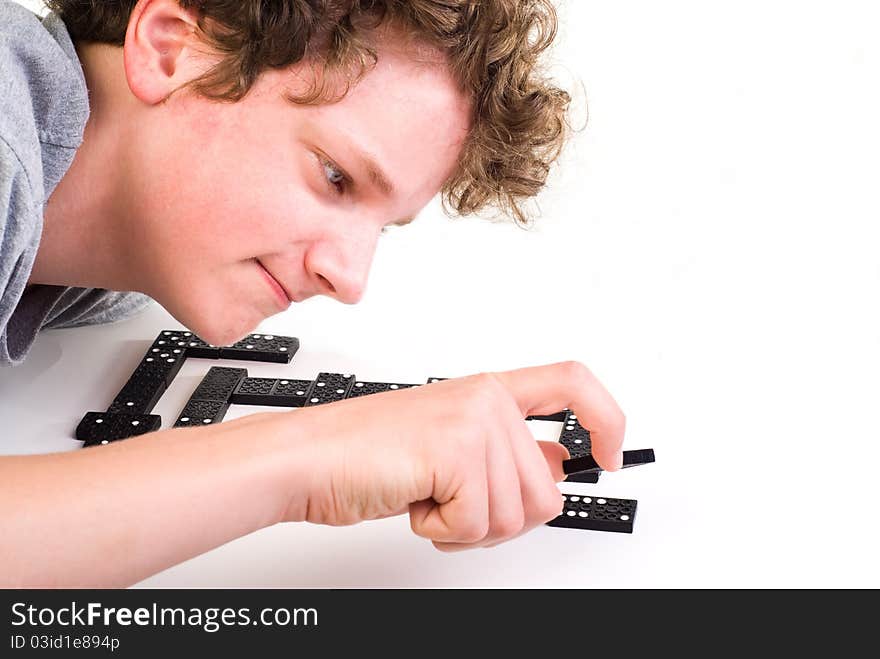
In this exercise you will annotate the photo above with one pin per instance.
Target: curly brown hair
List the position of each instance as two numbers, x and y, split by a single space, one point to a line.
492 47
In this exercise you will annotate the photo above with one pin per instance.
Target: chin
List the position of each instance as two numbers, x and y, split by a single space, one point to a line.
223 333
223 336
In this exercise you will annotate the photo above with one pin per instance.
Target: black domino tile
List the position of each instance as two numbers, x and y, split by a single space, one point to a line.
559 416
175 340
329 388
433 380
210 401
291 393
138 396
638 457
219 383
262 348
585 477
97 428
199 349
201 413
594 513
271 392
574 436
633 458
576 439
367 388
164 361
149 381
253 391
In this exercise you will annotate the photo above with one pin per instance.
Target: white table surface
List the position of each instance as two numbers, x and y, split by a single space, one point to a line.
709 249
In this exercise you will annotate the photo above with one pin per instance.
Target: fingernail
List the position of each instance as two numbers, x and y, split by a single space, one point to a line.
618 461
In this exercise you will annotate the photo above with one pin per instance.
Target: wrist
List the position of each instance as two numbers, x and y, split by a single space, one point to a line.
284 460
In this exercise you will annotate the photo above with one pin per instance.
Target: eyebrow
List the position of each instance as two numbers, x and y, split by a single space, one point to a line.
378 178
374 173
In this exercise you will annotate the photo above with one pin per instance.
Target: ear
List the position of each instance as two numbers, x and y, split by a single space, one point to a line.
160 52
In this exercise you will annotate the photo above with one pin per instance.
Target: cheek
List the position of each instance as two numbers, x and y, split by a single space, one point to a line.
226 184
220 202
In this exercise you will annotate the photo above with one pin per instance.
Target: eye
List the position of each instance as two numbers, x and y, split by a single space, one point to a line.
335 177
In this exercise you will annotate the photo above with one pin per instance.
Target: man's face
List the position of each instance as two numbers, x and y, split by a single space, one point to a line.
240 208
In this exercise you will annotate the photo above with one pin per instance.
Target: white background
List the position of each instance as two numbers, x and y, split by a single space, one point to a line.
708 248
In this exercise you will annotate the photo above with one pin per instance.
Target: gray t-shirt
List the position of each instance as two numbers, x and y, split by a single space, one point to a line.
44 106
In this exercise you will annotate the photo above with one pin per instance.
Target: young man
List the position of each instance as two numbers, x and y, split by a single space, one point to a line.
133 132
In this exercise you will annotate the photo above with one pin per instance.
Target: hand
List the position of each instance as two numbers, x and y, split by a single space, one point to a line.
456 454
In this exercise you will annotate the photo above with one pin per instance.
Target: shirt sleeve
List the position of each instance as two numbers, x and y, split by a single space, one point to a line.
20 226
25 310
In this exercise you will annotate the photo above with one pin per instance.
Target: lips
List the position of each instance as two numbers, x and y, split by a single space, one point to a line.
280 292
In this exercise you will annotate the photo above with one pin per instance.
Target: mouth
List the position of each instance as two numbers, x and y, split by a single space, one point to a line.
284 298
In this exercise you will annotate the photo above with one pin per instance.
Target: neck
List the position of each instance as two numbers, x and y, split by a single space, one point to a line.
84 229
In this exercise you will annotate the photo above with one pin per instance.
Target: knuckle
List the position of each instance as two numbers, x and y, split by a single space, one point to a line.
576 371
487 386
417 525
550 505
473 531
617 424
482 380
508 526
481 396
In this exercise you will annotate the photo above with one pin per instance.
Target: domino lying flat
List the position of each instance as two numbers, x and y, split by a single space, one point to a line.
593 513
253 347
329 388
210 401
262 348
368 388
271 392
98 428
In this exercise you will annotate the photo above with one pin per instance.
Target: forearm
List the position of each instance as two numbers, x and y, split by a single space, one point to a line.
114 515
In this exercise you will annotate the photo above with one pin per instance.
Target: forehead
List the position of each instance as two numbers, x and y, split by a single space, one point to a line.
407 113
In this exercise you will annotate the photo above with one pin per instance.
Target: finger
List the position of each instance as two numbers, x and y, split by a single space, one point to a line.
458 510
394 513
558 511
540 496
548 389
506 516
554 453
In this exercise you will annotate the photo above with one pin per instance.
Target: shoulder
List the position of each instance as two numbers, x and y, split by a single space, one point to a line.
12 12
19 196
20 229
43 96
20 220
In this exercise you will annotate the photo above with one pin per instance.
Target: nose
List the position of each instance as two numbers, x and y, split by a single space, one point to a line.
341 267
